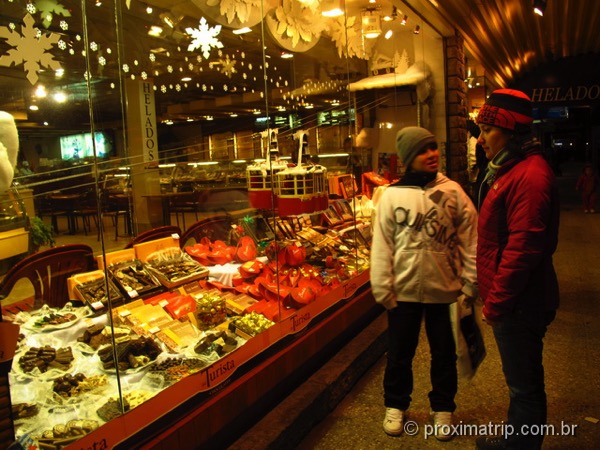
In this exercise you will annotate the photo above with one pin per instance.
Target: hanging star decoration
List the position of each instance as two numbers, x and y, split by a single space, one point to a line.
204 38
29 49
49 8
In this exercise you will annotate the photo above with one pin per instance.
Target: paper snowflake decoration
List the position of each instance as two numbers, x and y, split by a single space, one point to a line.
227 66
48 8
29 48
204 38
242 9
348 38
297 22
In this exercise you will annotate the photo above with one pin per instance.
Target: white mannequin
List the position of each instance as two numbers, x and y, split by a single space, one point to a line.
9 148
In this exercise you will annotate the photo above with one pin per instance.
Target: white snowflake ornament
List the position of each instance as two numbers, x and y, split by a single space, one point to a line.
204 38
29 48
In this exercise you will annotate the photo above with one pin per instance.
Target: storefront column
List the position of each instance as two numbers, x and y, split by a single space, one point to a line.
142 150
456 163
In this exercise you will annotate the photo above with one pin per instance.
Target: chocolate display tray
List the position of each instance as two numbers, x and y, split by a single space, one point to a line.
134 280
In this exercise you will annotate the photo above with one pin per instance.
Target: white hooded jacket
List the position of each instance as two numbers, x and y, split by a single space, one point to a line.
424 244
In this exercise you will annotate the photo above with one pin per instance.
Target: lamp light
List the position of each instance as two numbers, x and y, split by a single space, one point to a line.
417 29
404 20
371 23
170 19
242 30
331 8
392 16
539 6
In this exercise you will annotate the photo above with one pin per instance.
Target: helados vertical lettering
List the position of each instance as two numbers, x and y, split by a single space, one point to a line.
149 121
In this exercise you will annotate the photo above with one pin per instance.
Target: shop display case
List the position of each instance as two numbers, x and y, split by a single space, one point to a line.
142 330
164 335
191 176
14 234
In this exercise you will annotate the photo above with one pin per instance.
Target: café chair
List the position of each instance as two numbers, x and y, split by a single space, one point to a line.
117 205
155 233
183 203
48 207
86 208
48 271
213 228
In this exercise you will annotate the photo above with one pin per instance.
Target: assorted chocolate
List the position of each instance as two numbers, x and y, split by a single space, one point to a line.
131 353
250 325
98 335
55 319
70 385
217 340
174 369
62 435
175 268
94 292
46 358
133 279
24 410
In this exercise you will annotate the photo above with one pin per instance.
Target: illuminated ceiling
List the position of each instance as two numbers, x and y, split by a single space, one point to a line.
509 40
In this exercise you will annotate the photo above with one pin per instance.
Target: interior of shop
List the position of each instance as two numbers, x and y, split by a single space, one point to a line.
189 191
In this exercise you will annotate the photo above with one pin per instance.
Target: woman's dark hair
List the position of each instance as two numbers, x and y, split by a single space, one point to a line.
473 128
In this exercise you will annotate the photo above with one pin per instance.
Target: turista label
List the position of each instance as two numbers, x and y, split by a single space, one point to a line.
218 372
300 321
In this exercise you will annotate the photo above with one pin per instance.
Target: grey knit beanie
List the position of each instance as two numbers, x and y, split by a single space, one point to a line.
410 141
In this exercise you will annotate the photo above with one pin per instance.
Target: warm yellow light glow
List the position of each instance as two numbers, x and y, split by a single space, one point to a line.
40 91
242 30
60 97
331 8
371 24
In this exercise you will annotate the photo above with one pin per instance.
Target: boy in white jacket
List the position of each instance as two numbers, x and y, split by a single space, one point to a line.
422 259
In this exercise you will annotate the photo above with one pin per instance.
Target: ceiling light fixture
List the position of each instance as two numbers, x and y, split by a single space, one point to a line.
371 23
417 29
392 16
404 20
539 6
170 19
242 30
155 31
331 8
40 92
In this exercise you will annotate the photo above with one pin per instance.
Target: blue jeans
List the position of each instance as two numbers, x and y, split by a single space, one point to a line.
519 337
404 325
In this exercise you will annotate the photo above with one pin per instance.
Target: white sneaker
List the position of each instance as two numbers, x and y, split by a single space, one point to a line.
442 425
393 424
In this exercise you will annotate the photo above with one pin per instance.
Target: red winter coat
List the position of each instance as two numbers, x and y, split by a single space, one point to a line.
517 235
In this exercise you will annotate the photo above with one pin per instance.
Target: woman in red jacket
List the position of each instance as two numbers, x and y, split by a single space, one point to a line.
517 236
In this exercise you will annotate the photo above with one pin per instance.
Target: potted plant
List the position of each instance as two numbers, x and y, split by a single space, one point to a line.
40 234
